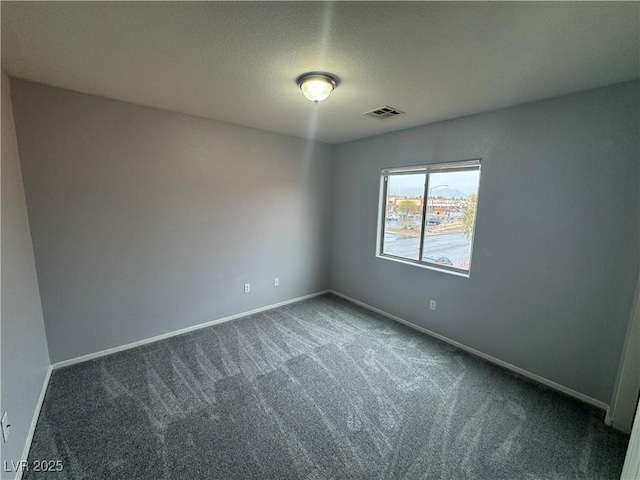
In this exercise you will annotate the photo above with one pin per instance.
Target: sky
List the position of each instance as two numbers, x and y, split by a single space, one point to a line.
413 185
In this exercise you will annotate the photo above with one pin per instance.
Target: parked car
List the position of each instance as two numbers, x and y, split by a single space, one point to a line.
439 260
434 221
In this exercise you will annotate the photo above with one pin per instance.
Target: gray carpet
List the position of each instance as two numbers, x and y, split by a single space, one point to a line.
321 389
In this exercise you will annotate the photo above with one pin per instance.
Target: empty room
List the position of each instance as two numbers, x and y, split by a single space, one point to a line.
320 240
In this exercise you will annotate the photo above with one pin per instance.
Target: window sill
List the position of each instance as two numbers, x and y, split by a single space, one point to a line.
422 265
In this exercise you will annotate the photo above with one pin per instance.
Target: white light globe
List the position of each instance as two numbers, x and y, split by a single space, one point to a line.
317 86
316 89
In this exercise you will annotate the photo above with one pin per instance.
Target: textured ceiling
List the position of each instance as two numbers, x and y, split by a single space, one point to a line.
238 61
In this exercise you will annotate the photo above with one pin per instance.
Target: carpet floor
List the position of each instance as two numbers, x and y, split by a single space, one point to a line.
320 389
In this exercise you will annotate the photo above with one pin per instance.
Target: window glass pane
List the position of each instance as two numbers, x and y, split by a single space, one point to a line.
450 218
403 215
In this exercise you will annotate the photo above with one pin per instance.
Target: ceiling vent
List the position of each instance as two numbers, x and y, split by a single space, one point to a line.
383 112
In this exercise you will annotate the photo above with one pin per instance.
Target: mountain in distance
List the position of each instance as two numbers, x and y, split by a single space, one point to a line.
446 192
415 191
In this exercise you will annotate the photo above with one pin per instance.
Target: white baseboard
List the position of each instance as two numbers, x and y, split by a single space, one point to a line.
607 417
497 361
157 338
34 422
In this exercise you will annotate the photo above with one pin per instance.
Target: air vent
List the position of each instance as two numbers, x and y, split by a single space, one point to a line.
383 112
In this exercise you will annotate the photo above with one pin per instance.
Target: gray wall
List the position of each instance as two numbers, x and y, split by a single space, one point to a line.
146 221
25 358
556 248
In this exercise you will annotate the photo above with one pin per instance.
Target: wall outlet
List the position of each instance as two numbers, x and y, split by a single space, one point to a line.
6 427
247 288
432 304
276 282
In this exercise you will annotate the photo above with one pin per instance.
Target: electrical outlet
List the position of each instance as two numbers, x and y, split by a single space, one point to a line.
432 304
247 288
6 427
276 282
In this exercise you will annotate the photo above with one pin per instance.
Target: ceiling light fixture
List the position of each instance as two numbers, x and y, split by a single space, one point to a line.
317 86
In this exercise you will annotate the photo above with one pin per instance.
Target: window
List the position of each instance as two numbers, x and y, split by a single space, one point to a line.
428 214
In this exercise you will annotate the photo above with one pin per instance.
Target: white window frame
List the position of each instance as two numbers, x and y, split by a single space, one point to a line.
385 173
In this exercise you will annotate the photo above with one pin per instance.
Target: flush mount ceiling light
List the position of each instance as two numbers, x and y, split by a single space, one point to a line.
317 86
